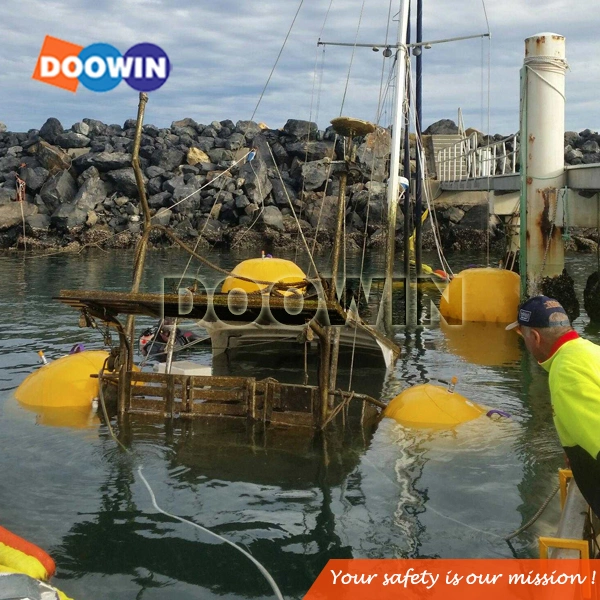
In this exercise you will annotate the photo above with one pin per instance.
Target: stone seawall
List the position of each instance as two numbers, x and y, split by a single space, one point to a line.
80 189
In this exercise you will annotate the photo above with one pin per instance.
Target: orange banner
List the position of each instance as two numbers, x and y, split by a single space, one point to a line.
457 579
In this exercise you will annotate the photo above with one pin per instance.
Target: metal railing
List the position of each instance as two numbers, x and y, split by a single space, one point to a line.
465 159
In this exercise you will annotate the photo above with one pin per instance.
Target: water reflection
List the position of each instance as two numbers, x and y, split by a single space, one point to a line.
294 502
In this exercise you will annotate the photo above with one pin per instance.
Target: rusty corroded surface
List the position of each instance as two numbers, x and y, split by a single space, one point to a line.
562 288
349 126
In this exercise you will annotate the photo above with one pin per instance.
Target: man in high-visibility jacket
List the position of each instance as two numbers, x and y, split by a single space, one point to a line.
574 367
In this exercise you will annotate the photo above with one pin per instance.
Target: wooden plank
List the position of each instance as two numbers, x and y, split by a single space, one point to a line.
212 395
293 419
157 406
170 396
142 377
213 409
268 402
154 391
214 381
251 399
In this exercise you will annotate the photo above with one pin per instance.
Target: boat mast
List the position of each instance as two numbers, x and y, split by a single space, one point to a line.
394 178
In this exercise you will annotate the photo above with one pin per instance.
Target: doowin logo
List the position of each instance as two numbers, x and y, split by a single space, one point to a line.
101 67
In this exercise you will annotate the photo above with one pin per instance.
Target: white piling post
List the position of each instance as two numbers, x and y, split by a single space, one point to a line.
542 139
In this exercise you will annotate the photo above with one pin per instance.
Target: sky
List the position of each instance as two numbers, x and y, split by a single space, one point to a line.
223 51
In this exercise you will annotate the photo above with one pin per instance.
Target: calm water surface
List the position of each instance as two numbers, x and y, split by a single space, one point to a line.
293 503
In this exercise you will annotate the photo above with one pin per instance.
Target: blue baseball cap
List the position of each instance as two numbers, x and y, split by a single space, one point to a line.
541 311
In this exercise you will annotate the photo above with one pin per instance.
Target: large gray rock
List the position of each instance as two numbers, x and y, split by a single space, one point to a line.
272 217
283 193
59 189
187 122
67 217
7 195
9 163
50 130
70 139
167 158
96 127
81 127
235 142
311 150
247 128
322 211
442 127
10 214
38 222
373 153
220 155
590 146
34 178
91 193
50 157
257 185
210 229
103 161
314 175
302 130
124 181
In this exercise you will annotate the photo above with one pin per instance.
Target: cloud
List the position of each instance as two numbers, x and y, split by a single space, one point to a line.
223 53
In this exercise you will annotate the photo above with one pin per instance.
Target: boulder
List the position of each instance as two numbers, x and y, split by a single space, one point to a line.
50 130
81 127
67 217
38 222
247 128
34 178
70 139
271 217
91 193
442 127
103 161
322 211
311 150
59 189
124 181
96 127
235 142
314 175
187 122
10 214
196 155
153 171
2 127
167 158
257 185
50 157
283 193
590 146
302 130
9 163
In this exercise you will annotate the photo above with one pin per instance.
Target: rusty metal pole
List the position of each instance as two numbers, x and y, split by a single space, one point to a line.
338 240
142 245
542 139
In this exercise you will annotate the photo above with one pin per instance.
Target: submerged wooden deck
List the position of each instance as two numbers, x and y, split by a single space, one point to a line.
268 400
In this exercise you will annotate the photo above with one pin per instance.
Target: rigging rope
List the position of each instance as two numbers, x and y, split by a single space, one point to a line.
276 60
258 565
352 56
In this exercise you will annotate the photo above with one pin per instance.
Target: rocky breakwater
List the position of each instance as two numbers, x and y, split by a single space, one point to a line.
80 187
